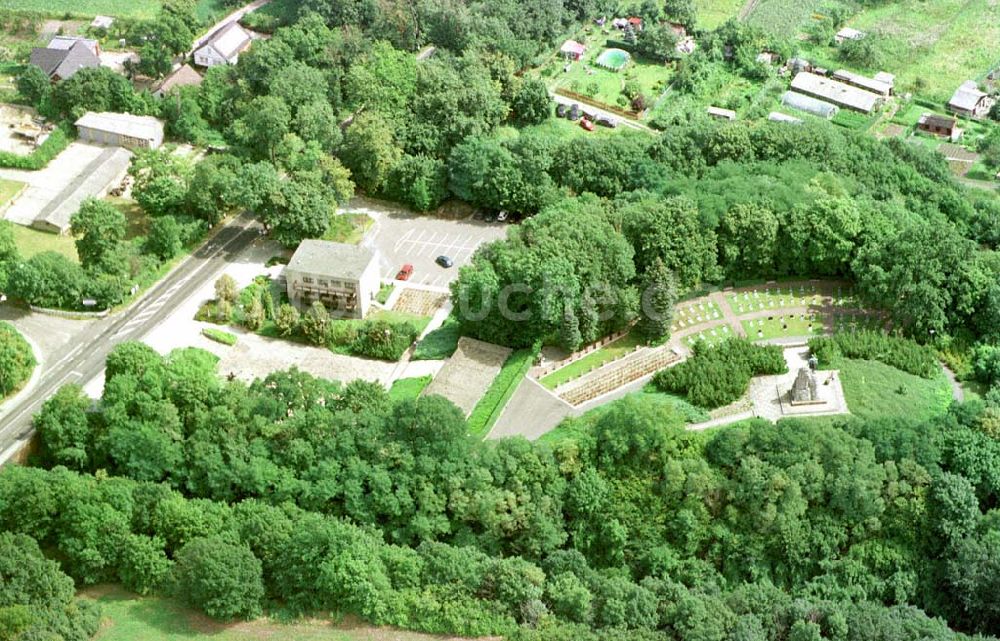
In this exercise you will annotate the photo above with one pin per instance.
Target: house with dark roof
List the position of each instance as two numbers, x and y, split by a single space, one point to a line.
183 76
940 126
224 46
63 57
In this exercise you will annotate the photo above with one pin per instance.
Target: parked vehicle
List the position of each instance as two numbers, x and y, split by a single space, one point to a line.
607 121
405 272
586 124
574 112
561 110
502 216
444 261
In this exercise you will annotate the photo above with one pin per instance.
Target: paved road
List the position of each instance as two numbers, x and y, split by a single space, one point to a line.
85 361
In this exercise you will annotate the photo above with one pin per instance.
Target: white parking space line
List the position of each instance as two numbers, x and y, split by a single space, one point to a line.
402 239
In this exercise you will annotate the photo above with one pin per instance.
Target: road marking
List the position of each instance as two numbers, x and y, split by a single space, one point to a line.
404 238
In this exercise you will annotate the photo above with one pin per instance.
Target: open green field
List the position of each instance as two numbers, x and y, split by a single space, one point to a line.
933 46
874 390
31 241
208 11
784 18
127 617
87 8
593 360
712 13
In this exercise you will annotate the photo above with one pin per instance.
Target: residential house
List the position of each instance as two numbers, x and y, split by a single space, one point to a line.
835 92
940 126
969 101
64 56
635 23
343 277
120 130
183 76
572 50
224 46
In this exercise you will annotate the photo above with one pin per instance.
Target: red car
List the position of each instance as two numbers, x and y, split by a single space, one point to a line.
586 124
405 272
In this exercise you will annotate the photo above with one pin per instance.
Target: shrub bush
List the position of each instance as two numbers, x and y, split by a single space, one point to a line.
717 376
17 361
901 353
384 340
219 336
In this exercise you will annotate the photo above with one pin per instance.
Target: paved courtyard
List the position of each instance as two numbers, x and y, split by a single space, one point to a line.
404 237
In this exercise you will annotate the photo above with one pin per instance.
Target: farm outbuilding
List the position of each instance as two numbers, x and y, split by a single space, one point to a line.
847 33
940 126
838 93
720 113
969 101
873 85
777 116
120 130
809 104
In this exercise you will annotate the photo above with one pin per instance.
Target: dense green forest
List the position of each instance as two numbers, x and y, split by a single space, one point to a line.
301 495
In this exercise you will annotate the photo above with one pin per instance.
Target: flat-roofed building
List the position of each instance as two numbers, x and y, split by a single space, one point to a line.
838 93
343 277
120 130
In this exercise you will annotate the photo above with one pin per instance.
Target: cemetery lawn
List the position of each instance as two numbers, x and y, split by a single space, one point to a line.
576 369
875 390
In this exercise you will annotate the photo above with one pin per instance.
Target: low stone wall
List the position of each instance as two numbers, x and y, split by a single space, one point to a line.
61 313
577 355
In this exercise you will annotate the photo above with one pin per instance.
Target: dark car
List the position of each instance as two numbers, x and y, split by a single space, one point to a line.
444 261
607 121
561 110
574 112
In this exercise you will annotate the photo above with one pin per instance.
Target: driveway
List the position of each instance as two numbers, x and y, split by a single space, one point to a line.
402 236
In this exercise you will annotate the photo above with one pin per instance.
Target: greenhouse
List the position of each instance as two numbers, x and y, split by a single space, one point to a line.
809 104
613 59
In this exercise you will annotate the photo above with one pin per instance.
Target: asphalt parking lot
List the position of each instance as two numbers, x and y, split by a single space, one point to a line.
403 238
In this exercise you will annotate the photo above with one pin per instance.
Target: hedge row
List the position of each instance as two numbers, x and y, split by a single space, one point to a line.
57 141
717 376
219 336
901 353
489 407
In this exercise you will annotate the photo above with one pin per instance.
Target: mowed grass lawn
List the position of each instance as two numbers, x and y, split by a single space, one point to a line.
87 8
127 617
31 241
941 43
874 389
